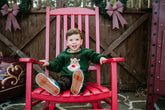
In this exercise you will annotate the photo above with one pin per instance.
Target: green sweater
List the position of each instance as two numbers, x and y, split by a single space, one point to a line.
67 62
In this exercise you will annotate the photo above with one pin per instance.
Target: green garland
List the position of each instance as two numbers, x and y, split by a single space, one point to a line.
24 6
101 6
3 2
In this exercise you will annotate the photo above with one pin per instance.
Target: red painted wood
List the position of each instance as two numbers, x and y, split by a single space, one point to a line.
38 90
58 26
93 90
93 93
80 22
47 37
36 102
45 93
65 25
86 92
98 74
73 98
28 101
69 11
113 60
30 60
86 31
94 105
46 105
114 85
66 93
97 30
97 42
101 88
51 106
72 21
108 101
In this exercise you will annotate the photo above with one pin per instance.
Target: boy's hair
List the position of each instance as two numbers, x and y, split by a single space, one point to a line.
73 31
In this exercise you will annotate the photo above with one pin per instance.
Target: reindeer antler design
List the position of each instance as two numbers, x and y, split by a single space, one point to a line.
78 56
72 56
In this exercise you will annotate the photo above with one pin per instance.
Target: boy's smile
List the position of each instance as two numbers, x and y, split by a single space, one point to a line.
74 42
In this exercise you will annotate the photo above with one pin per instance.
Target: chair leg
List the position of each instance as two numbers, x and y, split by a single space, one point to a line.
28 105
99 105
46 106
51 106
94 105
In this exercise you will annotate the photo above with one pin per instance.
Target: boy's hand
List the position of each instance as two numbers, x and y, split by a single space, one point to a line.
46 63
102 59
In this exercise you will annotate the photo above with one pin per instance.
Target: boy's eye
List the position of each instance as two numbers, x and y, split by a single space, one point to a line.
71 40
77 39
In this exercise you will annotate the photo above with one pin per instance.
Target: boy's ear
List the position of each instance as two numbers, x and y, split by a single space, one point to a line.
81 42
66 43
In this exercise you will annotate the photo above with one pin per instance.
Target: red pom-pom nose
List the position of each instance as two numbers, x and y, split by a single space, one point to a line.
73 66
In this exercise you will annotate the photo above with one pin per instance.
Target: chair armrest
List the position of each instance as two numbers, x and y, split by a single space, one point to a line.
113 60
30 60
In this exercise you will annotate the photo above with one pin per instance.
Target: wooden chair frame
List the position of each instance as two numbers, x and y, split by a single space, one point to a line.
94 93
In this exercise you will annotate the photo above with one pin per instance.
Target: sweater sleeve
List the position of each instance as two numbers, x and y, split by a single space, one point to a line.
56 66
95 57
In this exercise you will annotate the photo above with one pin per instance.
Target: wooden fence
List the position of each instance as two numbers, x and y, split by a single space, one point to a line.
131 42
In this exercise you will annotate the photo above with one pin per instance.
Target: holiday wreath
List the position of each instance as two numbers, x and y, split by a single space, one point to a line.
24 6
11 11
107 9
102 5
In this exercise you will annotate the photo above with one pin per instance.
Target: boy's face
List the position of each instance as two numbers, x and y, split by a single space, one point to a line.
74 42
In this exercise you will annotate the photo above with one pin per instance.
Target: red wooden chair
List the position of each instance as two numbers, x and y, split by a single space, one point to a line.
94 93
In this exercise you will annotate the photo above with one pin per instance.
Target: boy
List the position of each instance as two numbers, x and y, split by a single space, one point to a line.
73 64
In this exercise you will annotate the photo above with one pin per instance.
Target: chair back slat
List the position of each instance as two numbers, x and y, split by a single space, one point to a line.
47 33
58 27
97 30
65 28
86 31
80 22
47 41
72 21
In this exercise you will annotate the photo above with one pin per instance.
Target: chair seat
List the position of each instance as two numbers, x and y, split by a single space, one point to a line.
92 92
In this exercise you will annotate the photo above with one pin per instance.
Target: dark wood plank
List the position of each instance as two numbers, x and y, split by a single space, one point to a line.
126 34
132 72
18 51
32 36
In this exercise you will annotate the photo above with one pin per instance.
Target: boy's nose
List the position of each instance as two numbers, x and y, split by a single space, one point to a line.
74 42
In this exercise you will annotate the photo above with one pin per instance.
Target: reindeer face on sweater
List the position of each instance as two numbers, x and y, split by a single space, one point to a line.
74 65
